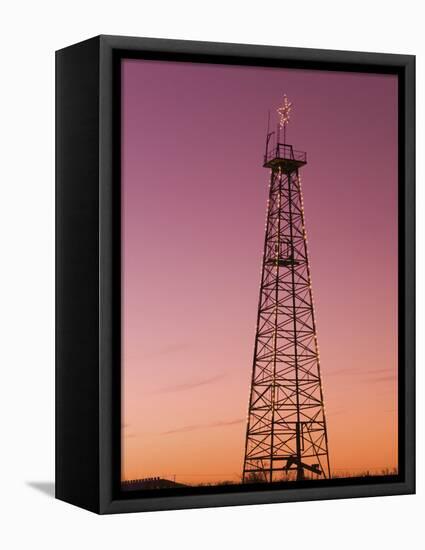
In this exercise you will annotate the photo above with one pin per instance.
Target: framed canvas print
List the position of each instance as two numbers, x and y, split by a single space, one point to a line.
235 274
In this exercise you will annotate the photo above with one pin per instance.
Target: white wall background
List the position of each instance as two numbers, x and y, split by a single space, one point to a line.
30 32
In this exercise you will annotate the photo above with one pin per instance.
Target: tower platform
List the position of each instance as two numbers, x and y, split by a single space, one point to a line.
284 156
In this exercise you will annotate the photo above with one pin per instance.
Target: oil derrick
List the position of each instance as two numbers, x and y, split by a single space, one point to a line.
286 435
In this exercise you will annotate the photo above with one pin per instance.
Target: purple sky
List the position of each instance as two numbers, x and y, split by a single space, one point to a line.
194 200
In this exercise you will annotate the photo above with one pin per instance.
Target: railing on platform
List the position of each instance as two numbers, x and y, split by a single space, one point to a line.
284 151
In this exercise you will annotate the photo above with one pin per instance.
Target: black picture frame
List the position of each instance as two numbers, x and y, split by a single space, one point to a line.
88 269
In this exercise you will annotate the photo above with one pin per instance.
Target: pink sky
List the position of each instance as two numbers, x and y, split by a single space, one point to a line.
194 203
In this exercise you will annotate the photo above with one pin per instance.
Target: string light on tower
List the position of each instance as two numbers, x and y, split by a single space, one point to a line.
284 112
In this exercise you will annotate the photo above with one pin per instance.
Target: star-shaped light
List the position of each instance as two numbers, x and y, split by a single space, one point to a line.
284 112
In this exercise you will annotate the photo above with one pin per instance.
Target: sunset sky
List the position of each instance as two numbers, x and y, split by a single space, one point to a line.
194 199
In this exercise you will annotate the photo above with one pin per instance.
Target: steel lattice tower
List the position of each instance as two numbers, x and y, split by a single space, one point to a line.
286 434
